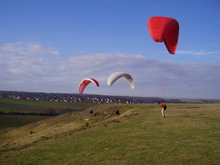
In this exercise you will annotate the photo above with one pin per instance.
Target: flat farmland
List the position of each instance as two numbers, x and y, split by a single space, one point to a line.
7 121
19 105
8 105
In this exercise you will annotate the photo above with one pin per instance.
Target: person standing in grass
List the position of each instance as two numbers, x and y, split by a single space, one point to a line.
164 107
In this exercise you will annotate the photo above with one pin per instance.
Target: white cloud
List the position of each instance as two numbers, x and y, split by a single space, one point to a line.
201 52
28 49
33 67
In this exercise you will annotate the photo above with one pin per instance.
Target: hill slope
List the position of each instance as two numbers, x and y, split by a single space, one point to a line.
188 135
61 124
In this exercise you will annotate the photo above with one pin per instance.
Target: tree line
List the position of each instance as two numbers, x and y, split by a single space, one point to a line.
48 112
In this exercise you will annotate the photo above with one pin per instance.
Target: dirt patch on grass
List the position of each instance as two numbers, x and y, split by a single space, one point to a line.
160 123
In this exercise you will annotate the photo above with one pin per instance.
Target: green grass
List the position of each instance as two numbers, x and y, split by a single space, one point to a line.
20 105
189 135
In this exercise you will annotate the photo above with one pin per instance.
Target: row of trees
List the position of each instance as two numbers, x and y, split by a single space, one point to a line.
48 112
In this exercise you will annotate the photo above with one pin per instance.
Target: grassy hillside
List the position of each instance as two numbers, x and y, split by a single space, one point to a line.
188 135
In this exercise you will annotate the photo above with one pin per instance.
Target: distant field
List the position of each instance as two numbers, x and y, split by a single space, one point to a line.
7 121
19 105
189 135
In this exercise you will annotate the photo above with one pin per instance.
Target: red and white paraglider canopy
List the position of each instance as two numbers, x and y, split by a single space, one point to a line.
85 82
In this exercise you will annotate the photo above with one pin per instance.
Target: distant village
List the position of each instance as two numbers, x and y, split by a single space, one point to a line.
82 98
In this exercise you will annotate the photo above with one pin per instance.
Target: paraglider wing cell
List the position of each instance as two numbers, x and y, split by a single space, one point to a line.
164 29
115 76
171 38
85 82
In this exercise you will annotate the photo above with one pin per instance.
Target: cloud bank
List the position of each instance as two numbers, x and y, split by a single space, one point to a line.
37 68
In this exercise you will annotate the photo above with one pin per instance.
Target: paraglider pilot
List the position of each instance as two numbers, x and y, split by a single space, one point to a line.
164 107
91 111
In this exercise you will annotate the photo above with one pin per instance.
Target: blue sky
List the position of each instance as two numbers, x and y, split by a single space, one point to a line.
51 45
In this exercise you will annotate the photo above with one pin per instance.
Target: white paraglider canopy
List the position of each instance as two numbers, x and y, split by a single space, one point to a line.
115 76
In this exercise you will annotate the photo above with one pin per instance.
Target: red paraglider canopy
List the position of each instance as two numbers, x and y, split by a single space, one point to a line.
85 82
164 29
